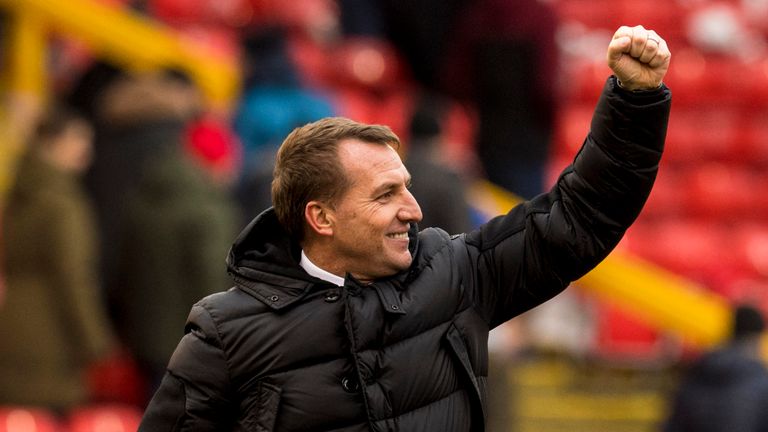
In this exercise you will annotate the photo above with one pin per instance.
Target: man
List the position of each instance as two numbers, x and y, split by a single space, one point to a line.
345 318
726 389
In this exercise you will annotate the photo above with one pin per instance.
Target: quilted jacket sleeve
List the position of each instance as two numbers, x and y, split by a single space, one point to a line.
521 259
194 394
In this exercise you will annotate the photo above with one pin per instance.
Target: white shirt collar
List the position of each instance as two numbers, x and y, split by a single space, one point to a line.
319 273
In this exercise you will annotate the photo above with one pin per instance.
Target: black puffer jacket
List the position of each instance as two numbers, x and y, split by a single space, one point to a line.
283 351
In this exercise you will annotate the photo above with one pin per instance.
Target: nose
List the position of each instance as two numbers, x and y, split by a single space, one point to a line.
410 211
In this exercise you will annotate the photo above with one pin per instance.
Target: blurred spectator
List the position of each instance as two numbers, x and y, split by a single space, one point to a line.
52 324
177 218
273 104
439 190
727 389
19 113
498 55
421 30
178 228
138 117
503 56
86 90
362 17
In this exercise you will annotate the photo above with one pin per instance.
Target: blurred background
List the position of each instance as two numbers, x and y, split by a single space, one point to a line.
137 136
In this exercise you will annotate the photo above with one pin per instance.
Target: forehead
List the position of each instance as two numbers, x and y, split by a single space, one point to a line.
364 161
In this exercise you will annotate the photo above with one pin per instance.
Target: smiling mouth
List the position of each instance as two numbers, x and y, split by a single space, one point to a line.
398 236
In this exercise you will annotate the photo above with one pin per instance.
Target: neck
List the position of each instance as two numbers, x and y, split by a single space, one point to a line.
323 259
318 272
327 259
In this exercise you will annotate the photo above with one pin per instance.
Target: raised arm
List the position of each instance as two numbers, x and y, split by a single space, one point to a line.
519 260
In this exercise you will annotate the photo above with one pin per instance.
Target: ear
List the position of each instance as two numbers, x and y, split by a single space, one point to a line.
319 218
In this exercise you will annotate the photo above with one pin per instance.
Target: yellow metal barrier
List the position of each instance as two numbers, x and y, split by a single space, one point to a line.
24 85
659 297
121 36
26 48
127 38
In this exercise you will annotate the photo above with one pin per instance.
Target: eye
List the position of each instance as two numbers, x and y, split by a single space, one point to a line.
386 195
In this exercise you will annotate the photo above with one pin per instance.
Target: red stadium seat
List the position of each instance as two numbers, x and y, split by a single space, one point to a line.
586 81
355 63
697 134
27 419
752 143
687 246
572 128
392 109
721 191
104 418
312 61
305 16
664 201
689 77
665 21
591 13
368 63
117 379
752 246
622 337
230 13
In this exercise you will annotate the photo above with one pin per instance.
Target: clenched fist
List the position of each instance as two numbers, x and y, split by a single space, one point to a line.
638 57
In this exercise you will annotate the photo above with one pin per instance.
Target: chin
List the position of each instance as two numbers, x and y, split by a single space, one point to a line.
404 264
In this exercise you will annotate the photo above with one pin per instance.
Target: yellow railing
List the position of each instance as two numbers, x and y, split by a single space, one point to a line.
122 36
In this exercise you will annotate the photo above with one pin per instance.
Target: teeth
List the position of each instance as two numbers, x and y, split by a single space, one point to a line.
398 236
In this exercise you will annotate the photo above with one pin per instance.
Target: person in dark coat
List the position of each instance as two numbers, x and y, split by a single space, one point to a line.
440 191
504 58
344 317
137 117
726 389
178 226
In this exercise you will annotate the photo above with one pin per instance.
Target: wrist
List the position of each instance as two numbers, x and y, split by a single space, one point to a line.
636 89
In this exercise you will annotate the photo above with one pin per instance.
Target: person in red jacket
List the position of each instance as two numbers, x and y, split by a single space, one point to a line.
345 317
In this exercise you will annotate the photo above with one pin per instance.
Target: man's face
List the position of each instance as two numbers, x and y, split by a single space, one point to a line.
372 218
